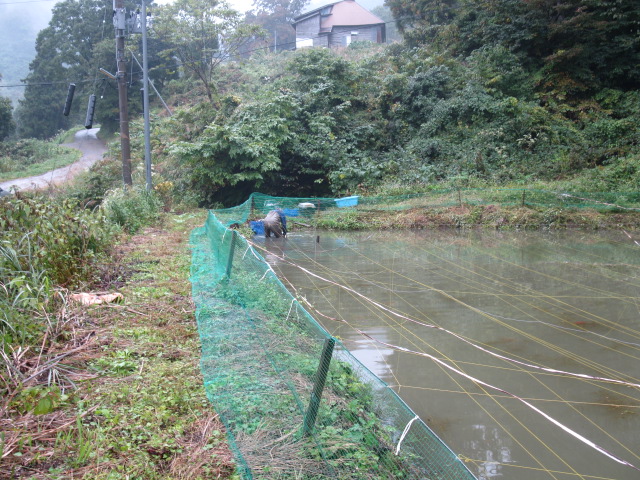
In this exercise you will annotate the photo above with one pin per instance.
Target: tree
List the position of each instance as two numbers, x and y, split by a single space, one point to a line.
276 16
7 125
64 54
202 35
421 20
77 42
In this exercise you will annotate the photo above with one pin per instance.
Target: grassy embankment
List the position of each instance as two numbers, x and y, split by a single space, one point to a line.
27 158
478 216
135 406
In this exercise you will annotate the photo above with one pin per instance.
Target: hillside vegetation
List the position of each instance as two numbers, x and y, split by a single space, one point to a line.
505 92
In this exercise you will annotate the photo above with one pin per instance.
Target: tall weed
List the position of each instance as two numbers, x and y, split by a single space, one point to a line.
131 208
55 236
44 243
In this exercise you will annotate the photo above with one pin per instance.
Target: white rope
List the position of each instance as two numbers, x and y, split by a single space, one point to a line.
265 274
290 308
404 433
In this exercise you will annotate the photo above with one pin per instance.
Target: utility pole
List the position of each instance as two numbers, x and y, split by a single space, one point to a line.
145 100
119 22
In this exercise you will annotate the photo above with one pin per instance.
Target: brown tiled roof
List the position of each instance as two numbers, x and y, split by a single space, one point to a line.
346 12
349 12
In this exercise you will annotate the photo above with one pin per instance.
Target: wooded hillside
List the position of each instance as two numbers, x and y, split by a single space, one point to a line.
479 91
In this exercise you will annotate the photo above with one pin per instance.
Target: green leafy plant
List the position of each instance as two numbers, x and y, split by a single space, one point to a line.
131 208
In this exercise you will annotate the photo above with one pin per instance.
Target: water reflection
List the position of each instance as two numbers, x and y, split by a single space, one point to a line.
494 450
569 301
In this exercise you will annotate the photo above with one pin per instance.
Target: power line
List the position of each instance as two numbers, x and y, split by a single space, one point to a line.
44 84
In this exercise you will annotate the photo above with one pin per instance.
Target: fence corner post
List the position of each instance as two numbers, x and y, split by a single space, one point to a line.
231 251
318 387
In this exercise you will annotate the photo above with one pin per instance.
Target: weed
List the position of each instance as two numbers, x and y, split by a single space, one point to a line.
131 208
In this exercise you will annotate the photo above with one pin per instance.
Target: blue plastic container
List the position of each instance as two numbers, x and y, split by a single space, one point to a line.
257 226
347 201
291 212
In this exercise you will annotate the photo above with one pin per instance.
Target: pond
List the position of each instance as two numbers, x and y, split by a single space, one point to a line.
520 350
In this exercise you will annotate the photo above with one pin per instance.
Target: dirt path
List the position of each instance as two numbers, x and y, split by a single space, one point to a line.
92 149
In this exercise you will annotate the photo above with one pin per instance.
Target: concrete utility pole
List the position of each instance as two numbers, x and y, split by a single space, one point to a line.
119 22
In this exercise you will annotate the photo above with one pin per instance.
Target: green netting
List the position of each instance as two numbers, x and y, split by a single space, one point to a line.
259 204
260 355
261 351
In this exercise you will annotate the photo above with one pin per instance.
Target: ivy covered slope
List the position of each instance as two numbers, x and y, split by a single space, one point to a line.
501 93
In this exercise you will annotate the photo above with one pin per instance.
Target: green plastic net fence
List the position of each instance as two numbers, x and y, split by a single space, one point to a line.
259 204
261 352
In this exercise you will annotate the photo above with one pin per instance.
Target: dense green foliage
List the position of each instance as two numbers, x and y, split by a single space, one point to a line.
44 244
54 236
572 48
7 125
131 208
317 122
479 92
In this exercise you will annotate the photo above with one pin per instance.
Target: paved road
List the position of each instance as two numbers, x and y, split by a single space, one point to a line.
92 149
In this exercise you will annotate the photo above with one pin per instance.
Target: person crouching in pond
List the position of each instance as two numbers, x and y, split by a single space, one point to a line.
275 222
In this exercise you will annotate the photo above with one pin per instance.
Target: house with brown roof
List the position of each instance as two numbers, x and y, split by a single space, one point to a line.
337 25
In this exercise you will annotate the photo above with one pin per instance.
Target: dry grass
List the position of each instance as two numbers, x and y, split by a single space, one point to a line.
281 454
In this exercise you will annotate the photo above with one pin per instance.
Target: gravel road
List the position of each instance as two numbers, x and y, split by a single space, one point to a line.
92 149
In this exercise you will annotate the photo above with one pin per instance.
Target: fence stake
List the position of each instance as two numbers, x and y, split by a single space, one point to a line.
459 197
523 195
231 250
318 387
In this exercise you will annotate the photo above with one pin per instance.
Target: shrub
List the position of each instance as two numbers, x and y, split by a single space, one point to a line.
54 236
44 243
131 208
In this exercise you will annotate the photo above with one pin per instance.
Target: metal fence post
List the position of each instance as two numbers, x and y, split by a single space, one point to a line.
231 251
318 387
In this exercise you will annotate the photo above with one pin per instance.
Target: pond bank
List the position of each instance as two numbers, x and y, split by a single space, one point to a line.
477 216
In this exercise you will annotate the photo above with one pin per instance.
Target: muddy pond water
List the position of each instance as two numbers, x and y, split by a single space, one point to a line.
520 350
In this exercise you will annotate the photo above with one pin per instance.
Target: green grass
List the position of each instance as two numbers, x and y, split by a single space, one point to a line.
68 136
46 159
